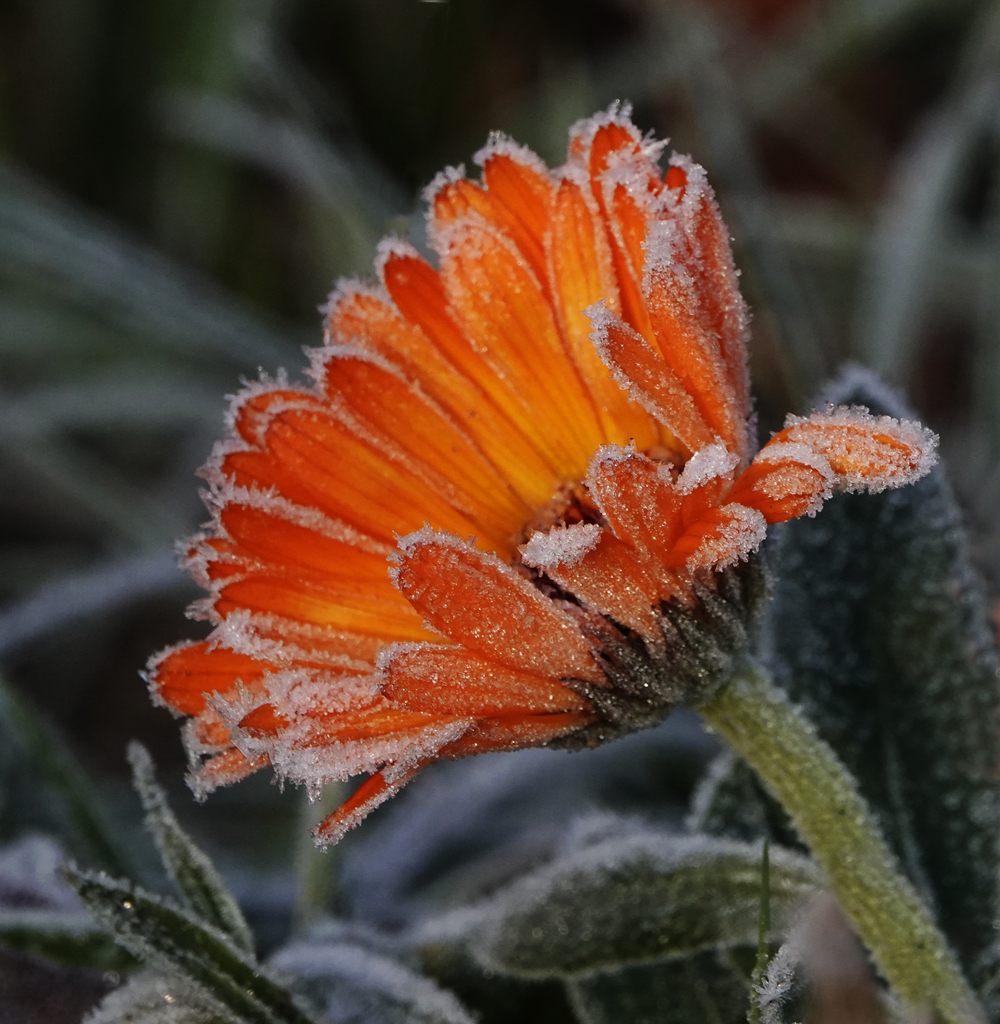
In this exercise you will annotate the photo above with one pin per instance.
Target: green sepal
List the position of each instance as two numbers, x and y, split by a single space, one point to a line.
173 941
190 869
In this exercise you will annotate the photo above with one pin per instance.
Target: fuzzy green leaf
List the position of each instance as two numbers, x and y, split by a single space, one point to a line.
172 941
63 937
197 880
354 980
881 632
647 897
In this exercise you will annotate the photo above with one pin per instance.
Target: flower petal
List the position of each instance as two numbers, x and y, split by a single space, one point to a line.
610 578
722 536
373 791
649 381
582 275
182 676
638 499
359 316
512 732
436 679
500 304
317 461
865 452
785 480
697 312
395 414
474 599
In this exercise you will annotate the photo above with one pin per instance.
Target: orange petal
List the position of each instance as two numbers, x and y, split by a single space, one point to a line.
615 151
582 275
514 732
476 600
609 578
721 306
263 720
785 480
638 499
285 641
522 217
357 316
500 305
705 481
207 731
698 314
519 184
182 676
309 554
373 791
723 536
396 415
438 679
292 598
649 380
419 294
865 452
316 461
223 770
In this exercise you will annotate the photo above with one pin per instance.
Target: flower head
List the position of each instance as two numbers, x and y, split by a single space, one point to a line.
568 390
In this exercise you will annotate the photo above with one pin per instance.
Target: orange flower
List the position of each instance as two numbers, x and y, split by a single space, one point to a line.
569 390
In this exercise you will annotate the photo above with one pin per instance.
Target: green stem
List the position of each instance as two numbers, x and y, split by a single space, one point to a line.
833 818
315 870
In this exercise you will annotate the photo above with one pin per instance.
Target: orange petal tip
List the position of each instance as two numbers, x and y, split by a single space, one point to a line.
865 452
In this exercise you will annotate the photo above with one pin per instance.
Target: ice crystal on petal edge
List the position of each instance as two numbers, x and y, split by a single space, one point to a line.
489 522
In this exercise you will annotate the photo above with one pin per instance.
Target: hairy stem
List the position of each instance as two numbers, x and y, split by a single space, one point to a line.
833 818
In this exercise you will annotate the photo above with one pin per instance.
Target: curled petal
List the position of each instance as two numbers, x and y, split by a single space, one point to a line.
648 380
865 452
608 576
723 536
223 770
785 480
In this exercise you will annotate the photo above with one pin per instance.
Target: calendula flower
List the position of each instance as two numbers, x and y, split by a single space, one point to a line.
516 503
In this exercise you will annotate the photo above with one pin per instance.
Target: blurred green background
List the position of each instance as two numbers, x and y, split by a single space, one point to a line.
181 182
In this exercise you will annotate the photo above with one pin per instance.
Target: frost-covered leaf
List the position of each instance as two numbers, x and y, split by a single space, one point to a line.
152 998
68 938
647 897
197 880
359 981
880 629
170 940
696 988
